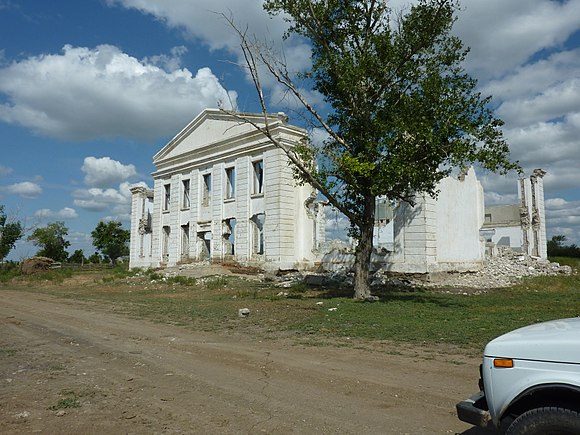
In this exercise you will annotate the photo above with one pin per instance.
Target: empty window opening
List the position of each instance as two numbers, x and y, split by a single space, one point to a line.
185 203
229 235
185 242
204 245
206 193
165 247
258 185
230 183
257 230
504 241
167 199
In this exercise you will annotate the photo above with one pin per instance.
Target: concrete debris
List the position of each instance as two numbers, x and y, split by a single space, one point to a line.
504 270
243 312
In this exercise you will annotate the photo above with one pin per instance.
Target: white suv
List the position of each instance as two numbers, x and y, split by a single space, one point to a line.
530 381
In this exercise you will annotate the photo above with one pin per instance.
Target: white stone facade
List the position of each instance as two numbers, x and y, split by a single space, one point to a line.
533 215
440 234
521 226
436 235
222 191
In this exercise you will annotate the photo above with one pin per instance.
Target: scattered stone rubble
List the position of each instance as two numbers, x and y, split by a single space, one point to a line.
503 270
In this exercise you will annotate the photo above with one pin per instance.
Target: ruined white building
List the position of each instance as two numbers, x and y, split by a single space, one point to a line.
521 226
436 235
222 191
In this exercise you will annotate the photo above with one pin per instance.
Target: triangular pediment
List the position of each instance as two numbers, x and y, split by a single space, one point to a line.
212 126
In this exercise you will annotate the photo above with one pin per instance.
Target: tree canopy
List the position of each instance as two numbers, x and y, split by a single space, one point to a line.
111 239
51 240
556 247
10 233
77 257
401 112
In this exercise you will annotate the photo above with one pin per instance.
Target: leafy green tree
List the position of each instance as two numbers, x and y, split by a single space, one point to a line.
111 239
10 233
95 258
556 248
402 112
555 243
77 257
51 240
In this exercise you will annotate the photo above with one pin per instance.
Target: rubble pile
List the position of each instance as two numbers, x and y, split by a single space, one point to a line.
503 270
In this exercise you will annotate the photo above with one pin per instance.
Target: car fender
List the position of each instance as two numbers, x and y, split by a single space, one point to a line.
505 386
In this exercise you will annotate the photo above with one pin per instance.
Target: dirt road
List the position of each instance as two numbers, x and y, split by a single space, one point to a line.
76 367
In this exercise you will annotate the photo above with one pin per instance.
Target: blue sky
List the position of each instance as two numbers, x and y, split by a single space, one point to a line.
91 90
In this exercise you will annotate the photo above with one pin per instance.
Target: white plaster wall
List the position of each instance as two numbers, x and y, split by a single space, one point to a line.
460 211
140 253
442 234
384 236
543 247
415 245
513 233
304 226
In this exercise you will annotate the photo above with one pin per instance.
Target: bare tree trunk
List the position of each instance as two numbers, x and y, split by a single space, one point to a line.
364 249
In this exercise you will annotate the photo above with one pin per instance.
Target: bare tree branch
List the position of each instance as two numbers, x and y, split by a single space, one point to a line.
254 57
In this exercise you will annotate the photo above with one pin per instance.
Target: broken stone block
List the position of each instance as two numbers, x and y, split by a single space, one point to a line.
314 279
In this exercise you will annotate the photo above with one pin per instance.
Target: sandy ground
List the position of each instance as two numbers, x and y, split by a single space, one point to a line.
135 377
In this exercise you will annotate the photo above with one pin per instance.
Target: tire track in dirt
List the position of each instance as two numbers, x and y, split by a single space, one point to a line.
133 376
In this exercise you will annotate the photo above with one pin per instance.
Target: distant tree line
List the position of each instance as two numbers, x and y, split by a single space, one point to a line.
110 240
10 233
556 248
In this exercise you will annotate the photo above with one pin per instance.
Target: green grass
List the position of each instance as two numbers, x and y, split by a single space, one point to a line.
574 263
418 316
69 400
429 317
7 351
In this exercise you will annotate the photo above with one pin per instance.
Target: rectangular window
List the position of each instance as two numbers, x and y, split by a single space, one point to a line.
165 247
206 186
167 199
185 200
257 233
258 184
230 183
184 242
229 236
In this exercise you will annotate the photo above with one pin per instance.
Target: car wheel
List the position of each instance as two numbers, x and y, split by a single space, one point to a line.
546 421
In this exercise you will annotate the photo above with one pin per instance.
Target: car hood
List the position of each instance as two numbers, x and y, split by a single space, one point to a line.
557 341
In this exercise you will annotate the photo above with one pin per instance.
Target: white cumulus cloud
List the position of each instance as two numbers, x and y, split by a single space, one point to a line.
205 23
5 170
506 34
65 213
25 189
116 201
87 93
106 172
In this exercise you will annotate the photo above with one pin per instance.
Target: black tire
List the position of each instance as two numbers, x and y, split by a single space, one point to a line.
546 421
